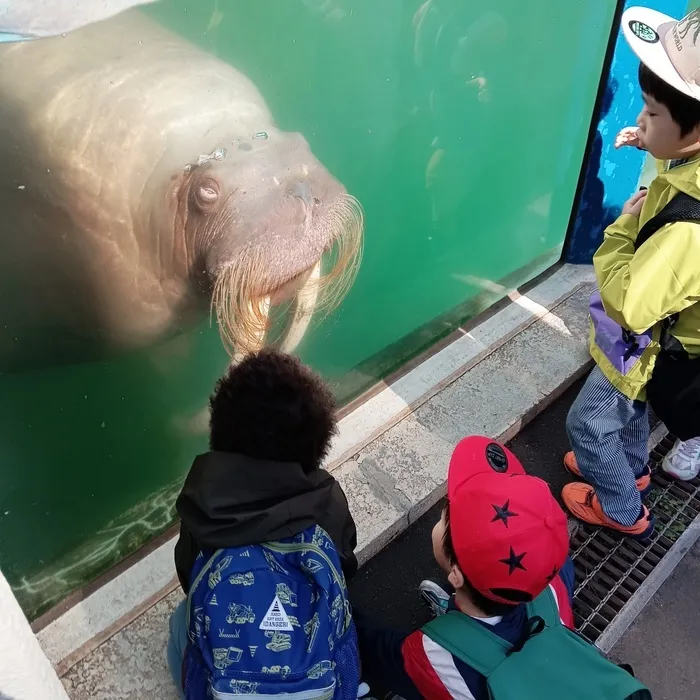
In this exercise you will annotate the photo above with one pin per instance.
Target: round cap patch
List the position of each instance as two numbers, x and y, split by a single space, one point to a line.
496 458
644 32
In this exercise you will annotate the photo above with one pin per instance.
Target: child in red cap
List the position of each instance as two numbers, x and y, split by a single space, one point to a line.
502 540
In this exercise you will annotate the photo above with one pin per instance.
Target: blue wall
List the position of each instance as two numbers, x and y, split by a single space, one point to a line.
611 176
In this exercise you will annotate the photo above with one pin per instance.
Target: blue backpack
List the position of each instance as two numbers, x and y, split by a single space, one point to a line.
271 619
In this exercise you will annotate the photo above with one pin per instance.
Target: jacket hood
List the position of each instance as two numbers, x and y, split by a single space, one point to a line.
230 500
685 178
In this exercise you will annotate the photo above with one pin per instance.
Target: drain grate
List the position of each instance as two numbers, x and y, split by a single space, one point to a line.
610 568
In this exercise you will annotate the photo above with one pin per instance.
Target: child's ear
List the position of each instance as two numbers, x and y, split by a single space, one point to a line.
456 578
696 133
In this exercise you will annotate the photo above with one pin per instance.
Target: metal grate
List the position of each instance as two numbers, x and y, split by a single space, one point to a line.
610 568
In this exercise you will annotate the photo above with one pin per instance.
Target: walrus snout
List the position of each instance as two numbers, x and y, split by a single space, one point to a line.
278 200
292 233
302 189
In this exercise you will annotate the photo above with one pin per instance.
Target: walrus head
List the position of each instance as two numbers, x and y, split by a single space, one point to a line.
270 227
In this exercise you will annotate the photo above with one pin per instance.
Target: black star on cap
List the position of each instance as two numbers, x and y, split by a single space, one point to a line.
553 575
514 561
503 513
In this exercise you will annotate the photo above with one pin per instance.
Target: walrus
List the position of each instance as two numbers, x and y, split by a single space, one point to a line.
144 181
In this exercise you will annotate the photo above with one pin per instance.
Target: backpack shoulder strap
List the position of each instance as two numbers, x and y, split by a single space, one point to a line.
682 207
545 606
469 641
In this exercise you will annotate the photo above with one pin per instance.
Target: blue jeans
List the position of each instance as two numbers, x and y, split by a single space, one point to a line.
177 641
609 434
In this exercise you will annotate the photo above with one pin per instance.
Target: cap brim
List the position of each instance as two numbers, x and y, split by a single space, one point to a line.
479 455
652 53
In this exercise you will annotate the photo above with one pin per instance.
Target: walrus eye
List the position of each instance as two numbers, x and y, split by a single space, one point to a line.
206 195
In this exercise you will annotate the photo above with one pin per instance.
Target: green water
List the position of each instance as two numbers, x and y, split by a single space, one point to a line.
460 126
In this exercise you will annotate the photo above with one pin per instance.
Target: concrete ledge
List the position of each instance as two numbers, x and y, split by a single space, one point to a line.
398 476
394 402
391 457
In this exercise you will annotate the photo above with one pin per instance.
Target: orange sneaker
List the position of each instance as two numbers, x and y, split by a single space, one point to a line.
643 482
583 503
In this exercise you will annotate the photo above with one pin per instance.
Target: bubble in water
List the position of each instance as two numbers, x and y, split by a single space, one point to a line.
261 135
104 424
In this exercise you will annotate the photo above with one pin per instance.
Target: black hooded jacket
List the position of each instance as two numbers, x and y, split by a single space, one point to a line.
230 500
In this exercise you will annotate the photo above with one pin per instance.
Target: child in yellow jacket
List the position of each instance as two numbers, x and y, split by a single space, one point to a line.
608 424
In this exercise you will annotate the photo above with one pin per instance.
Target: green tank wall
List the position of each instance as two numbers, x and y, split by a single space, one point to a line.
460 126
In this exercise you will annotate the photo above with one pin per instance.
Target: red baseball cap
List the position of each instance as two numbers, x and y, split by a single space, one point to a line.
509 533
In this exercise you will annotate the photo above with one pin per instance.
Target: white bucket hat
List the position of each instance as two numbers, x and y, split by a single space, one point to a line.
668 47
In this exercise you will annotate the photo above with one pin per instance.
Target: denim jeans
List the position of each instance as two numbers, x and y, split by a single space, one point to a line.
609 435
177 641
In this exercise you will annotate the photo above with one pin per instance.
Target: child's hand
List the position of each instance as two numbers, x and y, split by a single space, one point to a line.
635 203
629 136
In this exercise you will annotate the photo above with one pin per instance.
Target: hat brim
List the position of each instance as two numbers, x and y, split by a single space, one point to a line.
479 455
650 50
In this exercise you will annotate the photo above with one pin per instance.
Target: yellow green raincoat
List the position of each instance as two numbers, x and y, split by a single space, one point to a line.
641 289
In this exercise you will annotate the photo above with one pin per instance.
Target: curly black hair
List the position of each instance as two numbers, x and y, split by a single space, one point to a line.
271 406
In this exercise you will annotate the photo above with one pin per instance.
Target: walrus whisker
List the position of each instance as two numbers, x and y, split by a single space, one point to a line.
243 316
346 250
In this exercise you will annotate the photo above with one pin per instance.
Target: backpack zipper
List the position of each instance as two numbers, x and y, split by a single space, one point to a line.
197 581
300 547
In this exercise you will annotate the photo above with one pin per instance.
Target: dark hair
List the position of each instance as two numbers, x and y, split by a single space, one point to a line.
490 607
271 406
684 110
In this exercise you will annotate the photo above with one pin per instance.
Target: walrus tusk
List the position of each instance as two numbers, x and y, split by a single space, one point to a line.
304 310
199 423
305 305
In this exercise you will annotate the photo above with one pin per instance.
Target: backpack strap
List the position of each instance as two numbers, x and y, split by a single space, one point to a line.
545 606
469 641
682 207
477 645
685 208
